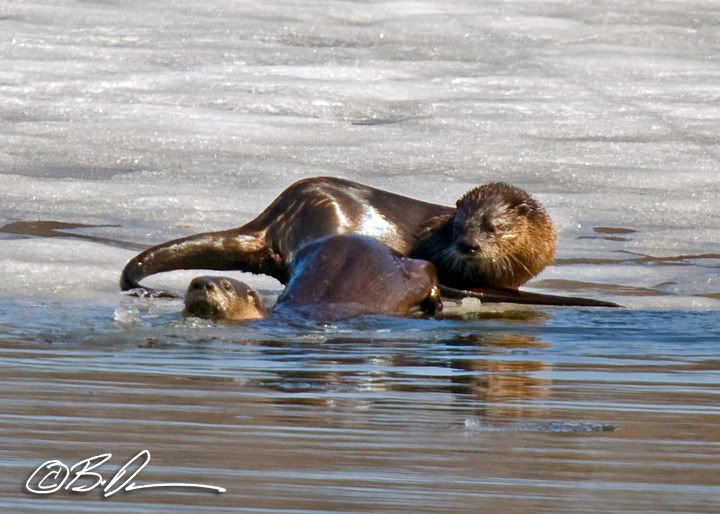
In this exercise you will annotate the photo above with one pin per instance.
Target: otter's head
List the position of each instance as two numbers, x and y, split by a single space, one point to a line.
501 237
222 298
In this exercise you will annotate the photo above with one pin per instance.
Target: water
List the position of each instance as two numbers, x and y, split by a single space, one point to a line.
126 124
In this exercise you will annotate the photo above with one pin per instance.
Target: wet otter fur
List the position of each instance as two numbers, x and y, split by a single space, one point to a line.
332 278
496 239
222 298
498 236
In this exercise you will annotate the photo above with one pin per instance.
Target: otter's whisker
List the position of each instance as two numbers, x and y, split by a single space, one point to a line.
521 263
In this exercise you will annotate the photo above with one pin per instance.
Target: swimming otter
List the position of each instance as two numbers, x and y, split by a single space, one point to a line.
332 278
222 298
496 239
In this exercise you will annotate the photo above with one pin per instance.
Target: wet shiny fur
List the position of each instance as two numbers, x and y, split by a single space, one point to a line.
318 207
222 298
332 278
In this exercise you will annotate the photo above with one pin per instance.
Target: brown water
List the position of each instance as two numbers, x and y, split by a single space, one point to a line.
558 411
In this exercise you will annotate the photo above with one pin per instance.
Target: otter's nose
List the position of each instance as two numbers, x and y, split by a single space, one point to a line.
201 284
466 245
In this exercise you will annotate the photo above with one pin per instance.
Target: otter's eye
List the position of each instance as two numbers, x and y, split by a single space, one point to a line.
226 285
195 285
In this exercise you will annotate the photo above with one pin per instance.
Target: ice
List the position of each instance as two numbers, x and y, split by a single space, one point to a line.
127 315
166 119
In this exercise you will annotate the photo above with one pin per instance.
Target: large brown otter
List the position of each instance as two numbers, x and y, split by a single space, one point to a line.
332 278
496 239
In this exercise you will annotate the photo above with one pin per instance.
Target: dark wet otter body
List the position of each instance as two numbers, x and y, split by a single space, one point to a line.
472 246
332 278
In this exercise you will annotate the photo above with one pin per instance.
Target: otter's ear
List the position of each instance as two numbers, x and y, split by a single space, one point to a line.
258 303
523 209
255 299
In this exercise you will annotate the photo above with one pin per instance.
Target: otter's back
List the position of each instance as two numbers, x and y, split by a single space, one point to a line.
344 275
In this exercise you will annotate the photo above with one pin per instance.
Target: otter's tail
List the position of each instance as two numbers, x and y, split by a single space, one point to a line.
226 250
516 296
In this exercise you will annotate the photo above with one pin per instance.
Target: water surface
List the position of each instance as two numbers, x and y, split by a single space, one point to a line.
560 411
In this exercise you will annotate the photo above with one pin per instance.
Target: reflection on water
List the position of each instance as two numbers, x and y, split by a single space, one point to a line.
568 411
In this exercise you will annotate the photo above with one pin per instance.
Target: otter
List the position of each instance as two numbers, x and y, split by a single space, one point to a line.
332 278
222 298
496 238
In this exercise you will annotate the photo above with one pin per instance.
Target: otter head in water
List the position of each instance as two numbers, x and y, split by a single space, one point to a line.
498 236
222 298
